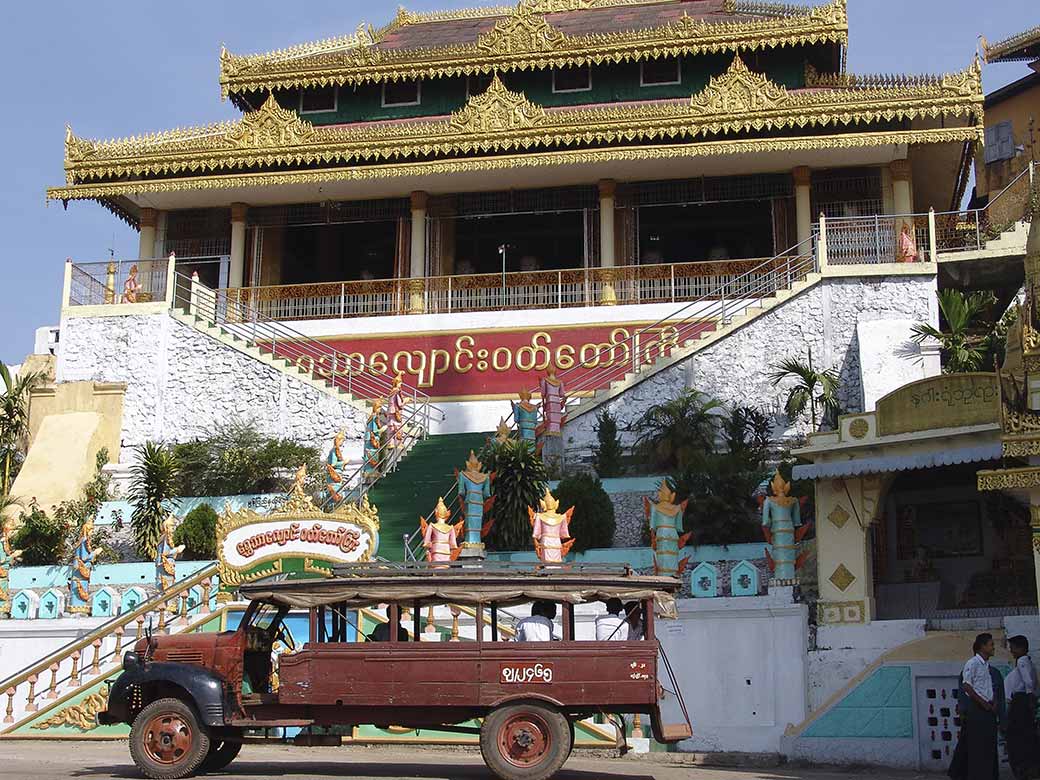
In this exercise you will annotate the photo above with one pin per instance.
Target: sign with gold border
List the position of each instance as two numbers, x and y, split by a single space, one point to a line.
297 537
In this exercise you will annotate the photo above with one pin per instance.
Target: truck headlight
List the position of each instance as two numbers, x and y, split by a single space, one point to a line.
130 660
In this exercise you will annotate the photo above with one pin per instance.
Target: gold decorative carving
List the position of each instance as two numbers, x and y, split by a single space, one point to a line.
1034 516
859 428
495 110
81 716
1012 47
837 612
1009 479
739 91
1020 448
271 127
947 401
524 40
965 82
842 578
838 516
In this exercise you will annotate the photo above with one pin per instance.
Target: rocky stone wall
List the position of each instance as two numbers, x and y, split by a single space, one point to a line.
736 369
181 384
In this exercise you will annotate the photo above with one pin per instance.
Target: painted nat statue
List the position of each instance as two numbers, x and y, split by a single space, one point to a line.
475 494
8 557
336 472
82 568
665 519
551 530
440 536
783 531
166 553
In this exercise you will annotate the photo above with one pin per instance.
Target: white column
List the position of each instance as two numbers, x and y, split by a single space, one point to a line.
146 242
607 192
237 270
901 200
1034 516
802 202
418 253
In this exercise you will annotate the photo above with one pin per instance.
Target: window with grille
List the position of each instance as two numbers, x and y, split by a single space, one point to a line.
402 93
314 101
659 72
576 78
1000 142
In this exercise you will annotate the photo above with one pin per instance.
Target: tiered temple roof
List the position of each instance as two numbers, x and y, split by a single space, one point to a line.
1022 47
536 34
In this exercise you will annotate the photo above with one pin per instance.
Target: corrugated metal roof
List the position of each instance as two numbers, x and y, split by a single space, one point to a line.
886 463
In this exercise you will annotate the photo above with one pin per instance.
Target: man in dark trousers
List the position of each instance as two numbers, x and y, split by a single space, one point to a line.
981 703
1023 743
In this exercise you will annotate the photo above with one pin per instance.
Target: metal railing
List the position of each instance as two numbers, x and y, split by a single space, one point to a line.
663 283
74 665
878 239
105 282
317 360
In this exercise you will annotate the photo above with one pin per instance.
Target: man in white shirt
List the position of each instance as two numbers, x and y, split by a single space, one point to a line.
539 626
1020 692
612 627
976 755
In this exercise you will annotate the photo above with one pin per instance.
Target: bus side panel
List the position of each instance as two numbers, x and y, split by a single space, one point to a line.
577 674
436 674
331 673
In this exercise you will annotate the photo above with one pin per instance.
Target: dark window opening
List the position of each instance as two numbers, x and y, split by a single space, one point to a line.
478 84
702 232
402 93
576 78
660 71
320 99
533 242
334 253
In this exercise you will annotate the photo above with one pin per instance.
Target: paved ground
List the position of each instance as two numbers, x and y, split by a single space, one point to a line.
47 760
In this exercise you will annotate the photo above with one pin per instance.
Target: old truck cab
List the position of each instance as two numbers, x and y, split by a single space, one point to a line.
190 700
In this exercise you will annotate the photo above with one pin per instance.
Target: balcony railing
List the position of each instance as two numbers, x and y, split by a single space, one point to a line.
105 283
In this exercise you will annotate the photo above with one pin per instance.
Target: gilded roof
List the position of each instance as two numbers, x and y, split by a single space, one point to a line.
1023 46
535 34
500 121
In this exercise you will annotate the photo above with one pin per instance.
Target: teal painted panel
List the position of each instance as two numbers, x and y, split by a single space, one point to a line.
140 573
878 708
704 582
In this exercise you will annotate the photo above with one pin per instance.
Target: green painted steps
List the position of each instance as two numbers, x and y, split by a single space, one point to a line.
424 474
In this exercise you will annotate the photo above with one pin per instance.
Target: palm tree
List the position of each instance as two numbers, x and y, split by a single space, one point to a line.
153 480
14 419
812 388
965 341
675 433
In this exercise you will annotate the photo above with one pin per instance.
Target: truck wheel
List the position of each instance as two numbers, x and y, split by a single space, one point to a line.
167 742
528 741
220 755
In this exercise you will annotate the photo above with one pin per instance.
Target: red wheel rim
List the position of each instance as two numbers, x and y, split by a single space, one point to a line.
524 740
167 738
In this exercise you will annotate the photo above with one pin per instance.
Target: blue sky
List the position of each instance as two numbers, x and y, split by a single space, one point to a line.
112 68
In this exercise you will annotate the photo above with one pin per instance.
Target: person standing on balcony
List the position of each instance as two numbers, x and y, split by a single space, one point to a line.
980 703
907 244
132 286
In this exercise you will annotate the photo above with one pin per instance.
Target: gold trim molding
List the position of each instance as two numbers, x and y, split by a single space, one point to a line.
524 40
81 716
500 120
514 161
1009 479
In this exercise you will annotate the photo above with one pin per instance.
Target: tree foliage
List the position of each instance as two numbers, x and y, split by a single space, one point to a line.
14 422
813 388
674 434
520 479
592 524
607 453
238 460
153 480
198 534
967 331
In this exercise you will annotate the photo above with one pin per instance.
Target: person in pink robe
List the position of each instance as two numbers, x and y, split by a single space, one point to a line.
907 244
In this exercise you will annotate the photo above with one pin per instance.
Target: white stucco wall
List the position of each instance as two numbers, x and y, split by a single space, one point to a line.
736 369
182 383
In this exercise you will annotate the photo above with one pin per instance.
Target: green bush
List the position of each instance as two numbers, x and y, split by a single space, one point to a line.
198 534
592 524
520 477
44 540
152 481
606 455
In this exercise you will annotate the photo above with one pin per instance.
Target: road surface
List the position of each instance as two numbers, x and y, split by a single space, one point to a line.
56 760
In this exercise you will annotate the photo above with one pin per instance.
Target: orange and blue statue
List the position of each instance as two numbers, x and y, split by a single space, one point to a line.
335 471
665 519
166 553
551 530
82 568
373 442
8 557
475 494
525 414
783 531
440 537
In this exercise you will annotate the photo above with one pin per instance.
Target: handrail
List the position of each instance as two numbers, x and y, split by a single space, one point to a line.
105 629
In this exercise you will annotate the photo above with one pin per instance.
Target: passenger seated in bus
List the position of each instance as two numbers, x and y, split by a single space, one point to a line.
612 627
382 631
634 618
539 627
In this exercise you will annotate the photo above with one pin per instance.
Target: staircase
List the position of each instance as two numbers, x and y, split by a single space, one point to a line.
41 693
412 490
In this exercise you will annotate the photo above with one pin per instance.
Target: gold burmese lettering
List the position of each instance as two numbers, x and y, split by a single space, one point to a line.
506 363
325 367
536 357
461 351
378 360
305 363
428 366
619 338
407 356
564 357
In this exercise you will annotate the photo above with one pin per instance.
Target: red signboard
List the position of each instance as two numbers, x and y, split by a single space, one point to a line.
526 673
481 364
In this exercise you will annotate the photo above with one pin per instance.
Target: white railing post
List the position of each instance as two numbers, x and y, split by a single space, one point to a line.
559 289
933 248
1032 175
342 300
821 244
171 278
193 296
66 285
449 295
